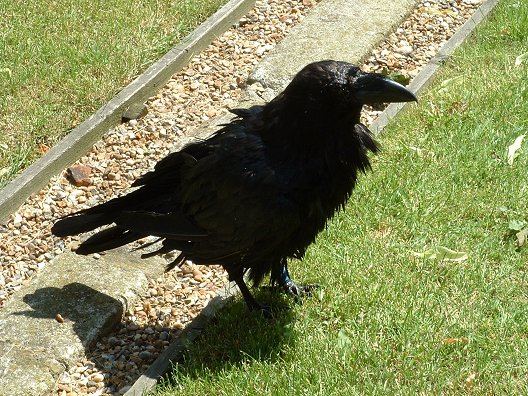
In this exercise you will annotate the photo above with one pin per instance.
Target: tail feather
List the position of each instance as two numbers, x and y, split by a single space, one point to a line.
166 225
78 224
176 263
110 238
168 245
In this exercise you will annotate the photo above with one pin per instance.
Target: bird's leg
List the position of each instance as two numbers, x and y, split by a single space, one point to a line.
281 278
252 304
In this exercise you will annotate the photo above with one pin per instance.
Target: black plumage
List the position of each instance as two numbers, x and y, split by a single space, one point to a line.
260 189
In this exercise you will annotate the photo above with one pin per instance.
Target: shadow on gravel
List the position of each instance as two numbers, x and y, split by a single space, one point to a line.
90 312
233 339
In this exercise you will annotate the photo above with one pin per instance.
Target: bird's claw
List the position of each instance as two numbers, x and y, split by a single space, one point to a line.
298 291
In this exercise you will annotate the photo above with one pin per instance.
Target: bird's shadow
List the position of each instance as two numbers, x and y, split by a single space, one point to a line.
76 303
237 337
230 339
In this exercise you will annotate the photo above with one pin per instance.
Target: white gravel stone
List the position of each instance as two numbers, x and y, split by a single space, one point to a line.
405 50
97 377
17 221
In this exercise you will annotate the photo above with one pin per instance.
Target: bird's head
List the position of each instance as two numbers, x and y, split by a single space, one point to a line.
334 85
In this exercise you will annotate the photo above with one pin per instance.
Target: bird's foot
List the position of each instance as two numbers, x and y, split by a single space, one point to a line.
251 303
298 292
280 279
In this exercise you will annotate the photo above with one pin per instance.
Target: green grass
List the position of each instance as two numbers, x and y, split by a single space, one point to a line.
60 60
385 321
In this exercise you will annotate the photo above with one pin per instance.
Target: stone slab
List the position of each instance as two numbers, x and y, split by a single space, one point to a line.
89 294
335 29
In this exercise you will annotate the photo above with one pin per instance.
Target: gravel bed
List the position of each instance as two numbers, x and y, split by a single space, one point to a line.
210 85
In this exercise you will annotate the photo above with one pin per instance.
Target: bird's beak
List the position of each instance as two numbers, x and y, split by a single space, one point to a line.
375 88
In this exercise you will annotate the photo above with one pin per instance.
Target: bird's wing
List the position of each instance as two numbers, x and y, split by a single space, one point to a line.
227 192
237 194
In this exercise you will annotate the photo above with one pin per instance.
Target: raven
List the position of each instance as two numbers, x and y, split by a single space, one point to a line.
260 189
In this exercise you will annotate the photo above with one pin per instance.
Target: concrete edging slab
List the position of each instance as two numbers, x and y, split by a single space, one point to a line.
37 345
336 29
81 139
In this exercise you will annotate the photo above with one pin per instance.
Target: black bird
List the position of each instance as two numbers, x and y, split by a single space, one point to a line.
260 189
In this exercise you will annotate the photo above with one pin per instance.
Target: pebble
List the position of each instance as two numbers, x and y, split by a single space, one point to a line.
80 175
405 50
145 355
211 83
64 387
76 376
64 378
17 221
98 377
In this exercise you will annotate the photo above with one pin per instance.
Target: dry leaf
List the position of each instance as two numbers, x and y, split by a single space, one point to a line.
422 152
438 12
522 236
449 83
470 379
455 340
43 148
513 148
75 120
520 59
442 253
431 11
418 150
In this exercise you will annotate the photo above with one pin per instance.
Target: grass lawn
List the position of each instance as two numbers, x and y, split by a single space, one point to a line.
390 317
61 60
